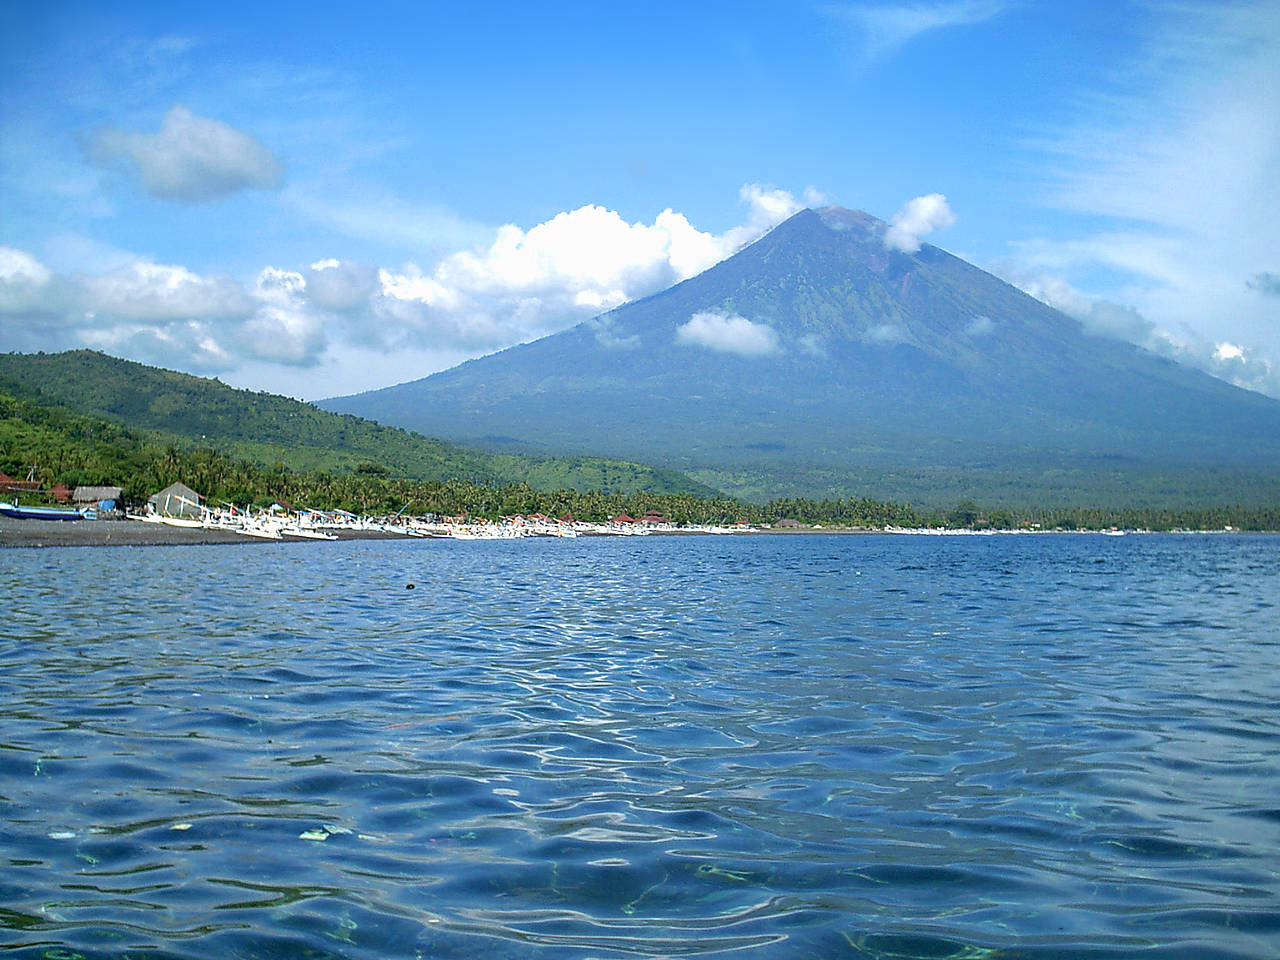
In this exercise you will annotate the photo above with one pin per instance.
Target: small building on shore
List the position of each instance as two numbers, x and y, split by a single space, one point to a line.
105 498
29 485
177 500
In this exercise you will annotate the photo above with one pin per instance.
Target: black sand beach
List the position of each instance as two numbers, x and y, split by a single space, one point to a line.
124 533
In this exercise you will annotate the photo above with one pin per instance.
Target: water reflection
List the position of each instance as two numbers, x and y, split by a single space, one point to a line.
868 746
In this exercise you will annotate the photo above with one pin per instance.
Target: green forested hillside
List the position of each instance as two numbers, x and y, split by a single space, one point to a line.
73 449
267 429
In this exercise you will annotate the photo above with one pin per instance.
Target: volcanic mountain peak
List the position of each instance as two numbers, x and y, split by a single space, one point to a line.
821 360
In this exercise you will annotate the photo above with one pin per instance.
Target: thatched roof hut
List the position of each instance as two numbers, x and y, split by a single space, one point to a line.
96 494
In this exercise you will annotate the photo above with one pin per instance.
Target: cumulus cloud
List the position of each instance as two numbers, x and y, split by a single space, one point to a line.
340 286
24 281
152 291
917 219
187 345
519 285
160 313
527 283
191 159
283 326
728 334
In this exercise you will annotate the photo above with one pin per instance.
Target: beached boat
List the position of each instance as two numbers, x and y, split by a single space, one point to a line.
39 513
307 533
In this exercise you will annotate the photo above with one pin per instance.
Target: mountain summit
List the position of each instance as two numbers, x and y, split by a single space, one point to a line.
821 360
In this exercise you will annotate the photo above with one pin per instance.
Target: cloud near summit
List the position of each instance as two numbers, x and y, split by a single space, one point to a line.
917 219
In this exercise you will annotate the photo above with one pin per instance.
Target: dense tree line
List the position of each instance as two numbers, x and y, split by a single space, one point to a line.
72 449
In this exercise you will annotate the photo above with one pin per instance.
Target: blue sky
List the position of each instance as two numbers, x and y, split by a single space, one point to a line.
316 200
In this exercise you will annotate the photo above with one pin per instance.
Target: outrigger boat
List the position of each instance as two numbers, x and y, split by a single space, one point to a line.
39 513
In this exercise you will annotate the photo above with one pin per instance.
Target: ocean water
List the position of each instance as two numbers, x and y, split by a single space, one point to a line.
757 747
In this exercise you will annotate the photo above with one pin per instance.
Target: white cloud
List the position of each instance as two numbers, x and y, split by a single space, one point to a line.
284 327
813 345
527 283
980 326
1228 351
607 334
192 159
885 333
187 345
23 281
368 213
1173 166
884 29
1243 366
160 313
728 334
340 286
520 285
153 291
917 219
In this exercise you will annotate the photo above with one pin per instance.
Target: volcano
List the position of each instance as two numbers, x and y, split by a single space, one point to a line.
819 361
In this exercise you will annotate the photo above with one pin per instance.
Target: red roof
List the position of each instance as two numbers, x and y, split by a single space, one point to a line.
12 484
623 518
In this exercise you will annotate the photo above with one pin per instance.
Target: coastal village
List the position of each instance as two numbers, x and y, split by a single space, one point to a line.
178 506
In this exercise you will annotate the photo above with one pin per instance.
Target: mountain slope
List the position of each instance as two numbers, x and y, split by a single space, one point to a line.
908 376
266 429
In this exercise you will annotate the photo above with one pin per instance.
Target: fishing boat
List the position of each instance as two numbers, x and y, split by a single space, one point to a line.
39 513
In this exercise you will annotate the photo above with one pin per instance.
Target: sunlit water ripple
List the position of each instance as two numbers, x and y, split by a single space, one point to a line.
760 747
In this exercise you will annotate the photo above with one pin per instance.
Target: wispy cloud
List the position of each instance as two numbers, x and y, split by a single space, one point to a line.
885 333
883 29
980 326
376 214
1240 364
191 159
1175 167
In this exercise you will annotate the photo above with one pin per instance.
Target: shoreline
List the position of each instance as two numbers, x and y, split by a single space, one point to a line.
32 534
24 534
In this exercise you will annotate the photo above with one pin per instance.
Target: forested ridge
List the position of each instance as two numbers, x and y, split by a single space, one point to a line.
265 429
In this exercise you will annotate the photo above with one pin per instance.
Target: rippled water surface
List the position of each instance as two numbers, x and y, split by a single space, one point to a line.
762 747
